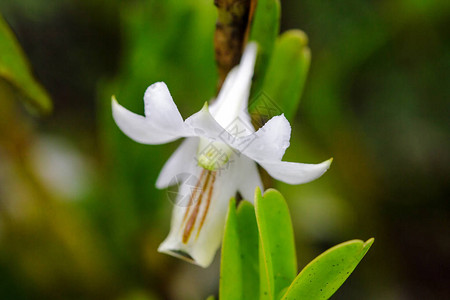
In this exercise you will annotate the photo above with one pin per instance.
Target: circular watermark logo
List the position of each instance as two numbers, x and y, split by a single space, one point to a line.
182 189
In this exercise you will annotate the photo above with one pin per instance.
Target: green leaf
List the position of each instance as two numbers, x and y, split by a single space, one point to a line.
15 69
264 30
286 74
239 266
211 298
327 272
278 262
230 286
248 244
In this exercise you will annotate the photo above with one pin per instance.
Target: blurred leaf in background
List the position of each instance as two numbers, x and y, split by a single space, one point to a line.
15 69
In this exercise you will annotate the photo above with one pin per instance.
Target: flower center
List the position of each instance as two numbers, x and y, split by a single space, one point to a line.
213 155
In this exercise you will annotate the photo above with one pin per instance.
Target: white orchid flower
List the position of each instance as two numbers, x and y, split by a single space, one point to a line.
220 152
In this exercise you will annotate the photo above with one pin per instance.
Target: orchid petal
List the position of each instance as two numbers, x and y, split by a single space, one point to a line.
295 173
160 108
233 97
205 212
180 165
140 128
269 143
203 124
227 86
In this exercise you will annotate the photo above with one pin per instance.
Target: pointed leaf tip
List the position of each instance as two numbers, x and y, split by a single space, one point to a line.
257 192
16 71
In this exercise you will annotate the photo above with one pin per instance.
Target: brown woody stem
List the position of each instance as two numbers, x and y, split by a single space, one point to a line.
230 34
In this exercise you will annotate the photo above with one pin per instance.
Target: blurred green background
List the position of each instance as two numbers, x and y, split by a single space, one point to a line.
80 217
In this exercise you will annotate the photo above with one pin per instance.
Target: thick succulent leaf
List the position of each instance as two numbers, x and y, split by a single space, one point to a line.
264 30
326 273
286 74
248 244
239 278
266 284
230 267
278 262
15 69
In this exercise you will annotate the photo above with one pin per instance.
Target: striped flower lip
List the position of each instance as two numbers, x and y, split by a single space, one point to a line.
220 152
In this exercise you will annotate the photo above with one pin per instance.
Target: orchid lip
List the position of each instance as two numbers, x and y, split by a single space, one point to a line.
181 254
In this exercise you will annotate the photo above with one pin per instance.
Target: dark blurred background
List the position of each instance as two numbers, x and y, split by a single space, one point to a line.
80 217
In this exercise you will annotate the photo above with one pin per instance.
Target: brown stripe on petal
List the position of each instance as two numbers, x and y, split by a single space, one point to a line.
208 202
193 195
193 217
